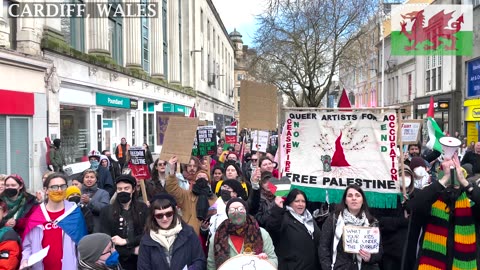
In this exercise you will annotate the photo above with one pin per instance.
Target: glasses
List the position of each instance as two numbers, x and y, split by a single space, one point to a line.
167 214
238 209
254 159
110 251
57 187
161 164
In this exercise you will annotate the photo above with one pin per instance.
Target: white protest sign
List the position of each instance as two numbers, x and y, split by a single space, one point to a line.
411 131
356 238
260 141
246 262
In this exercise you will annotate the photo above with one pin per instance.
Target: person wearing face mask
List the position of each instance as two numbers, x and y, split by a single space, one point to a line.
97 252
195 202
394 225
124 221
10 246
421 178
447 209
168 242
20 203
73 194
104 178
238 234
57 224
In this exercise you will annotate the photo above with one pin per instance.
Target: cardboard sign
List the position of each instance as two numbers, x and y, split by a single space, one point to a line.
259 141
205 142
411 130
258 109
356 238
138 163
230 134
179 138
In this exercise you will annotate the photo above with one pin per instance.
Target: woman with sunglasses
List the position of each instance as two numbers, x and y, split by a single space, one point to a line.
45 229
20 203
169 243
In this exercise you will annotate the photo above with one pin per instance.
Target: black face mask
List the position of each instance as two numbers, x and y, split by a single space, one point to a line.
123 197
10 192
74 199
226 195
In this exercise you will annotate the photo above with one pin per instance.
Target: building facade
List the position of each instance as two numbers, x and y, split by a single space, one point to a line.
105 78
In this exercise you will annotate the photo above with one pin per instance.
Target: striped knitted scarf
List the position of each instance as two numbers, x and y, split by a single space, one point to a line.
434 246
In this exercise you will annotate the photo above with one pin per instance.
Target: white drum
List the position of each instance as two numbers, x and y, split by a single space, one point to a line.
246 262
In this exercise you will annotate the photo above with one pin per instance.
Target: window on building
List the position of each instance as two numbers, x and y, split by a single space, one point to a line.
208 30
410 86
433 73
238 91
201 20
165 39
115 34
12 22
202 65
180 37
74 130
476 3
238 105
145 42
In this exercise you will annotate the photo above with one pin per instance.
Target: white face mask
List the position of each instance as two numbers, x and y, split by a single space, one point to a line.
408 181
420 172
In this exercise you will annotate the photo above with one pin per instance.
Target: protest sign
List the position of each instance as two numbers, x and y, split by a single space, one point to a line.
138 163
230 134
205 142
179 138
162 123
258 109
246 262
356 238
326 151
259 141
411 130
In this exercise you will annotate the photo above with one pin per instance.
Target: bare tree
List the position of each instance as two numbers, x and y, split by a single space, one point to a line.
299 44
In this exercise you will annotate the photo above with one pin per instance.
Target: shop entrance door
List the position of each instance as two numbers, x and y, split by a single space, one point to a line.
109 135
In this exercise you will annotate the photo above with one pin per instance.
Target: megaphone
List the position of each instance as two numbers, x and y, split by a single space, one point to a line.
450 145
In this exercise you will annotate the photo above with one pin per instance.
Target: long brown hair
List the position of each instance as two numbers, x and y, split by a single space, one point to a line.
160 204
342 205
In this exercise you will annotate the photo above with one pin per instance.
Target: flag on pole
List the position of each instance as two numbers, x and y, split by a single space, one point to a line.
434 131
193 112
234 123
242 150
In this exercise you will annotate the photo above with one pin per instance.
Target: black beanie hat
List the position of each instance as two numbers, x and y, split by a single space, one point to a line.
127 178
164 196
236 200
237 187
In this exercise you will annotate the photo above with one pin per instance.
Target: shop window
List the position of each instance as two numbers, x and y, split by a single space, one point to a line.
74 132
15 142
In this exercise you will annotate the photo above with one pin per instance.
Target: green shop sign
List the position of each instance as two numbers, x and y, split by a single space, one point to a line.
112 101
169 107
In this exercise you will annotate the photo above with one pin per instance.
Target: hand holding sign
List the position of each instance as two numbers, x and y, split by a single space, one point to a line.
171 162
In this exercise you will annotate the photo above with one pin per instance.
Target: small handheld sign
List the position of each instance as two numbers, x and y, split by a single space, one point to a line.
356 238
139 167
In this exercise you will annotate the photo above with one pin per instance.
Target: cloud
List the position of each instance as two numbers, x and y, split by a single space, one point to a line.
240 15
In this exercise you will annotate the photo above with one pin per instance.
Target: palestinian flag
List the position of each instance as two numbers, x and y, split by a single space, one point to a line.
423 29
434 131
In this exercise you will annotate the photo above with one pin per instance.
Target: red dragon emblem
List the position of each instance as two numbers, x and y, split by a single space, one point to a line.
436 31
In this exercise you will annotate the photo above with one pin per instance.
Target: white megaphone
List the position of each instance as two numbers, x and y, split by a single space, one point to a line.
450 145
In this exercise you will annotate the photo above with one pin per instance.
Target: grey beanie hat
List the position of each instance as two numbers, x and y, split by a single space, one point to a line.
92 246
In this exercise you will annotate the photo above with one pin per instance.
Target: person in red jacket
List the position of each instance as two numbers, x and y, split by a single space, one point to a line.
9 243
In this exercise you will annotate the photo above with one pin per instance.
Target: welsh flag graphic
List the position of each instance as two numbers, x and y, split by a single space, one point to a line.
423 29
434 131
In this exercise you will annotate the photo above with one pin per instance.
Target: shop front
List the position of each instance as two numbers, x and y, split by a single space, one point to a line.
16 112
446 117
472 105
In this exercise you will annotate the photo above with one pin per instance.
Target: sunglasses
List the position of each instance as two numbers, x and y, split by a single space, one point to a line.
161 164
57 187
254 159
167 214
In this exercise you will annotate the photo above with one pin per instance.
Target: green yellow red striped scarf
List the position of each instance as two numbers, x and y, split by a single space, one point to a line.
434 246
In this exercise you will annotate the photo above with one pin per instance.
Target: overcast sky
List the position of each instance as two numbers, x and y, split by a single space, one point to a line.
241 15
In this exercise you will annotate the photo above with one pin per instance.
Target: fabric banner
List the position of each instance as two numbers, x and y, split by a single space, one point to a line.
326 151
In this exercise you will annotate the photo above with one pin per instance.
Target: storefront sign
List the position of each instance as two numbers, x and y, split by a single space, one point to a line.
473 78
107 123
443 105
472 132
426 105
133 104
472 109
169 107
112 101
16 103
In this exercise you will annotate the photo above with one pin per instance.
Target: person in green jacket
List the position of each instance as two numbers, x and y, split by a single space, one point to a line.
56 156
239 234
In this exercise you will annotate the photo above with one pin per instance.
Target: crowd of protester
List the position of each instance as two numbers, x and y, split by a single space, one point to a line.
201 214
